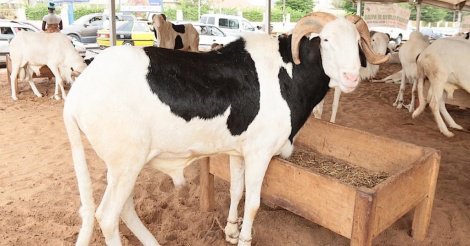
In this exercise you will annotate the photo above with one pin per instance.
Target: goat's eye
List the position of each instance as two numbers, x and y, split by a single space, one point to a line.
325 40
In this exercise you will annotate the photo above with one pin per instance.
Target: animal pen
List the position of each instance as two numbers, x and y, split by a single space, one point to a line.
357 213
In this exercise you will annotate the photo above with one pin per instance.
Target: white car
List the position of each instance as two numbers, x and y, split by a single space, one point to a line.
210 34
8 30
230 24
396 34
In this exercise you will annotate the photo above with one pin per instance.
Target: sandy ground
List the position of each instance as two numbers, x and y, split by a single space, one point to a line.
39 199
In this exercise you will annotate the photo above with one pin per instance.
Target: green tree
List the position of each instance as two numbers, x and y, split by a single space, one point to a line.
429 13
296 5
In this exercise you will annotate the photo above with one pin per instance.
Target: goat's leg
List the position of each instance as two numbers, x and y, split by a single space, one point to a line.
255 169
58 82
422 100
13 80
411 106
121 179
237 180
450 121
399 101
130 217
436 97
318 109
29 77
334 109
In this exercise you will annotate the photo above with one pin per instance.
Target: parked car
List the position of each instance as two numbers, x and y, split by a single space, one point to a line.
210 34
230 24
136 33
431 33
8 30
85 29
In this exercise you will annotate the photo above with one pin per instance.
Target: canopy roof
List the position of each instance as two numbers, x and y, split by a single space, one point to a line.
448 4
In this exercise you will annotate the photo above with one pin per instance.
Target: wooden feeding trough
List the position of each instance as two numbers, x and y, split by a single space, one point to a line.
44 70
358 213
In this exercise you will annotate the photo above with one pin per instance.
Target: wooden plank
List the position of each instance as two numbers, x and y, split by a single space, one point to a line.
364 214
360 148
399 195
422 214
320 199
207 201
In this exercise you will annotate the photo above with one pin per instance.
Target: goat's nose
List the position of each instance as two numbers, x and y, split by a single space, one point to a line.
351 77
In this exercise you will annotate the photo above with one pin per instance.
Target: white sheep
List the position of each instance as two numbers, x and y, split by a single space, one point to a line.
446 65
408 54
169 108
379 43
32 50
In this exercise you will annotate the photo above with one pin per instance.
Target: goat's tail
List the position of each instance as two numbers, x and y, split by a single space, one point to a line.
85 188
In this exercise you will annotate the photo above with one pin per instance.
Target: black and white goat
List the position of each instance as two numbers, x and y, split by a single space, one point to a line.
171 36
169 108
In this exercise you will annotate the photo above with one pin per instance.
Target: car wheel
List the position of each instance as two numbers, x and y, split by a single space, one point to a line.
128 43
398 39
74 37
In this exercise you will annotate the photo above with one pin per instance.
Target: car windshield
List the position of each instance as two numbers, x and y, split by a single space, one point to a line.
82 20
124 26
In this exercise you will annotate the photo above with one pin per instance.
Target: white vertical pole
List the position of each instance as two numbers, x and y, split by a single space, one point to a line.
358 7
267 17
418 16
198 10
459 20
112 23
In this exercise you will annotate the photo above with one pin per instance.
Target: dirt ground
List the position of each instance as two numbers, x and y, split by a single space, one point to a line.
39 198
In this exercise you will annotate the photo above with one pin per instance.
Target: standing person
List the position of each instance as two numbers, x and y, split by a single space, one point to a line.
51 22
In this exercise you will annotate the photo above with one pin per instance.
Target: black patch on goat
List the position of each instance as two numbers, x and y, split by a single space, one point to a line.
178 43
309 83
155 33
89 60
205 85
179 28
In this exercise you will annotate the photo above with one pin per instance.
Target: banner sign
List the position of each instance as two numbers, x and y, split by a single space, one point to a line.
141 5
465 25
386 15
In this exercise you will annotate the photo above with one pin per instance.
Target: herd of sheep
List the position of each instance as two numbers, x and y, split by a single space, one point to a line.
171 107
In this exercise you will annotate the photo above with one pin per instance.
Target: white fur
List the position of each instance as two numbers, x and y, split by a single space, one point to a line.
408 53
31 50
379 46
446 65
129 127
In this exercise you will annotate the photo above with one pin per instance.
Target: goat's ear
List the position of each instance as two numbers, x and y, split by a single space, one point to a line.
362 57
388 51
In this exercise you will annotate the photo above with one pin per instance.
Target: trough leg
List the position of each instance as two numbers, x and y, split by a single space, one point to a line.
207 201
364 213
422 214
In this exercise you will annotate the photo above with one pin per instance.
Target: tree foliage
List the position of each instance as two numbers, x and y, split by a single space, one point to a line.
302 6
430 13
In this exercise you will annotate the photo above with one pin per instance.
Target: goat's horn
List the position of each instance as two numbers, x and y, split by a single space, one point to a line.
363 30
311 23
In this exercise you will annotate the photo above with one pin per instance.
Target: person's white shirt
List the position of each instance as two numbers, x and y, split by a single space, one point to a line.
51 18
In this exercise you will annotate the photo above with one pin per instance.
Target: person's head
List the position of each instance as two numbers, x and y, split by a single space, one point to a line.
51 7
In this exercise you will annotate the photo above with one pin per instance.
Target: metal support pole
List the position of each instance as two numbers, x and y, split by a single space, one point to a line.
459 20
198 10
418 16
267 17
112 23
358 7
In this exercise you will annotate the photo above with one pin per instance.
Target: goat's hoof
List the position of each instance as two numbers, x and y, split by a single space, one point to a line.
456 126
231 233
39 95
231 240
448 134
14 98
57 97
